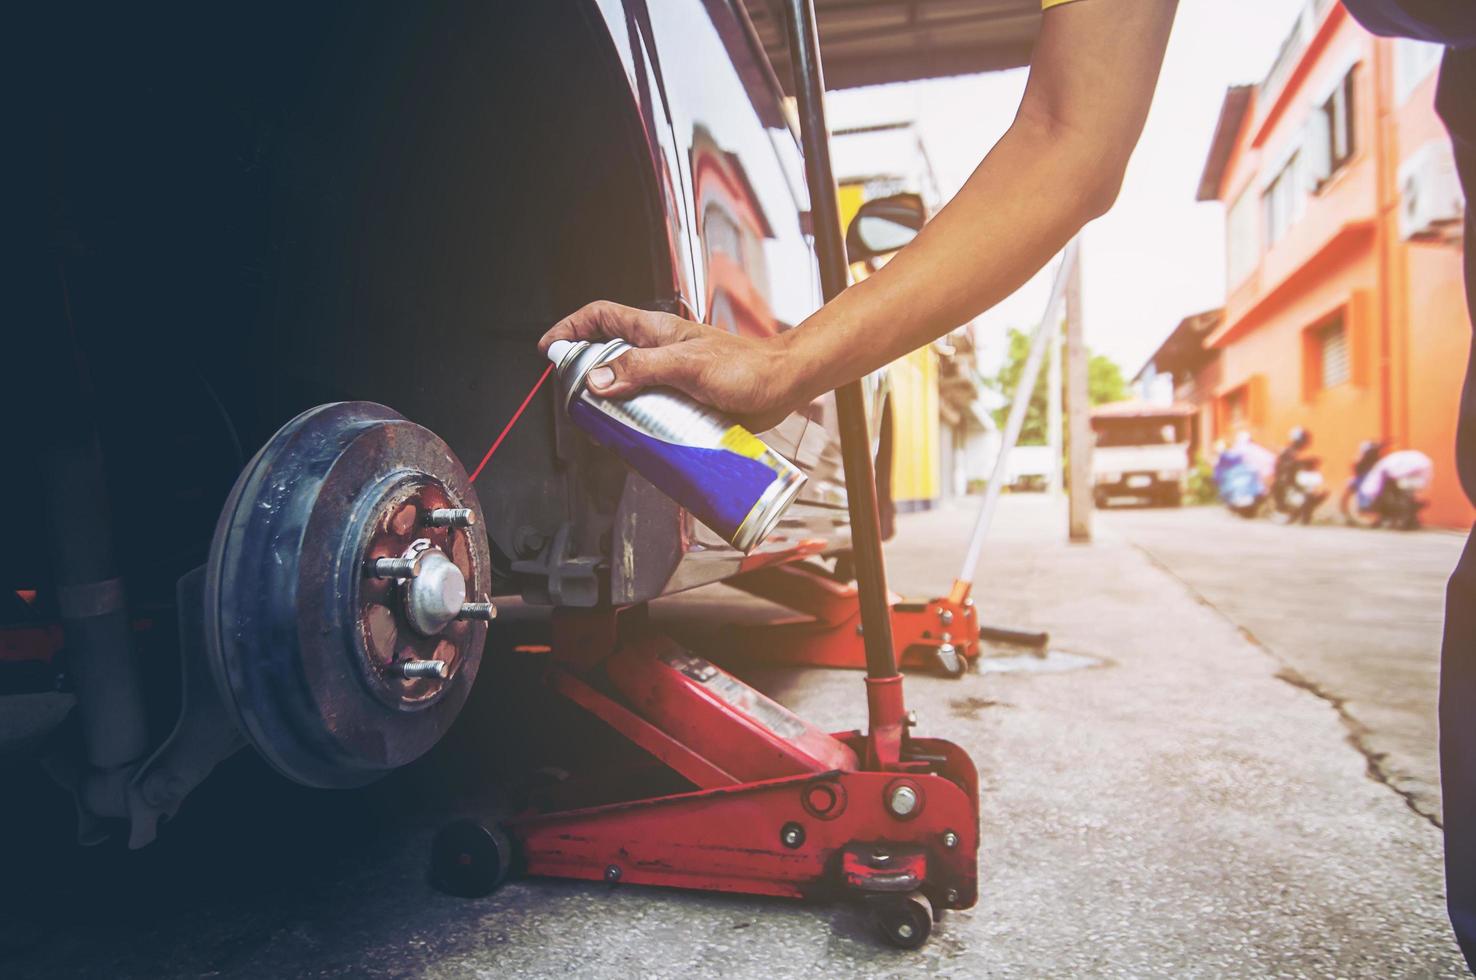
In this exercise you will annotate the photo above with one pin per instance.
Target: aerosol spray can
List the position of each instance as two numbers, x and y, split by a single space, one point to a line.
719 471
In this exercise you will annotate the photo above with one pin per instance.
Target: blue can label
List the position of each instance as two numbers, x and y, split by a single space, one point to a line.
720 485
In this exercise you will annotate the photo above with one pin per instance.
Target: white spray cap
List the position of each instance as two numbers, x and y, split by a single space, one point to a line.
558 349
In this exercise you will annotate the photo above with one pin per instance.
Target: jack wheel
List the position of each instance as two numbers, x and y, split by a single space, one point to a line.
903 921
950 661
470 859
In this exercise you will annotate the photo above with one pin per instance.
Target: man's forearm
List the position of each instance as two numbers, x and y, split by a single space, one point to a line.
1021 205
1060 164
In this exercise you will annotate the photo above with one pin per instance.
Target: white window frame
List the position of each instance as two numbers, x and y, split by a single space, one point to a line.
1285 198
1414 61
1338 324
1333 79
1243 238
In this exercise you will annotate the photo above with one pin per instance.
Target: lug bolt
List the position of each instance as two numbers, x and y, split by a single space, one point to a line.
952 896
903 801
950 839
612 873
395 567
451 517
411 669
484 611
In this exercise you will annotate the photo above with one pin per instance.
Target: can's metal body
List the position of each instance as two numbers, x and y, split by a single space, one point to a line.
727 477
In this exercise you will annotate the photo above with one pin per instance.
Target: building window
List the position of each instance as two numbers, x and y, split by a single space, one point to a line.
1336 124
1334 366
1413 63
1243 240
1284 199
1237 412
1286 57
721 234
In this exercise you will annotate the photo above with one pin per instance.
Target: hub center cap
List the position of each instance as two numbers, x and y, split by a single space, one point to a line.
434 597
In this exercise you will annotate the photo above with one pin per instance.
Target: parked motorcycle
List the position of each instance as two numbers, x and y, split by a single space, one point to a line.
1297 488
1384 491
1242 476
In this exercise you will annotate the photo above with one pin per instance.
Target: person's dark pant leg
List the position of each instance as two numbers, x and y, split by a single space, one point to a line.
1458 750
1458 652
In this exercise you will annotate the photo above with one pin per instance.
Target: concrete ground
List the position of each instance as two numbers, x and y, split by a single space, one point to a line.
1353 614
1177 810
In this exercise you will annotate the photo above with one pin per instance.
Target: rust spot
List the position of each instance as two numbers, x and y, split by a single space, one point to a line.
404 518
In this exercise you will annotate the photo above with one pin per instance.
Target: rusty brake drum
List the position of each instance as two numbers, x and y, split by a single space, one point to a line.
344 598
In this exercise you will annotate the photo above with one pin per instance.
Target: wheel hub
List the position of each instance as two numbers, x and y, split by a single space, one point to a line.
337 591
433 599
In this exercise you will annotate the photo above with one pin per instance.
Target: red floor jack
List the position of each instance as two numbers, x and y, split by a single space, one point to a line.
941 634
776 806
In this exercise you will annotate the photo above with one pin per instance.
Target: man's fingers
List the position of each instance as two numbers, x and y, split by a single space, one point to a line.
587 323
604 320
639 368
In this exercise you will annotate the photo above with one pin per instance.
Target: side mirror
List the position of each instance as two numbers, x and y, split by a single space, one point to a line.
884 225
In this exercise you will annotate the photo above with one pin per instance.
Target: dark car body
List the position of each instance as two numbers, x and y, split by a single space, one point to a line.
274 208
240 213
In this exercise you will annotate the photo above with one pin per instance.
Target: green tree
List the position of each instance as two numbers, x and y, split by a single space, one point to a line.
1105 383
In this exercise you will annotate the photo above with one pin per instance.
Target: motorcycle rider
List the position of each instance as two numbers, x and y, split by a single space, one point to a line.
1290 462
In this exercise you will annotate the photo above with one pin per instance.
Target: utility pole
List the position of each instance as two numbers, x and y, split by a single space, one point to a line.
1054 477
1079 402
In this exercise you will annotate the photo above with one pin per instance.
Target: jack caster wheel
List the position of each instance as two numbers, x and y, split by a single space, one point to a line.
903 921
950 661
345 600
470 859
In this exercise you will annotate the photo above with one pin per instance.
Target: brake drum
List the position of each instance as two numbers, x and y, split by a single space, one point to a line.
345 594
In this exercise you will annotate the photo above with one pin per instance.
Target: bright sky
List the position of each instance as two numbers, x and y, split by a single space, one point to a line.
1157 256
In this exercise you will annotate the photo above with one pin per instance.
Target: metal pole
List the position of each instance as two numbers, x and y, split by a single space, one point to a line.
830 251
1046 328
1055 481
1079 399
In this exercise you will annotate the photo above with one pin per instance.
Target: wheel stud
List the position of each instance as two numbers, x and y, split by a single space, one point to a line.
483 611
451 517
411 669
395 567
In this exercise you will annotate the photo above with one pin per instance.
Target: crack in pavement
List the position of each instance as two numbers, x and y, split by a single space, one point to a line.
1357 730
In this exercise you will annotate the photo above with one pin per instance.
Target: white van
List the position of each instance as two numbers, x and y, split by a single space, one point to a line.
1141 451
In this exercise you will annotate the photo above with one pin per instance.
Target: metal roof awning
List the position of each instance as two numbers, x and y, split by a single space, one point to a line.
872 42
1136 408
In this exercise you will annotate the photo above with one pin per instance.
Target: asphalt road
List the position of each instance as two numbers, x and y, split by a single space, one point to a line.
1176 810
1353 614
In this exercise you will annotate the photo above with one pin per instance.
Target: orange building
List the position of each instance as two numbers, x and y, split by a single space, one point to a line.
1345 310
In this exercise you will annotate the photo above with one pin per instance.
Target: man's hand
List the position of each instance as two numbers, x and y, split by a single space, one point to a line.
743 376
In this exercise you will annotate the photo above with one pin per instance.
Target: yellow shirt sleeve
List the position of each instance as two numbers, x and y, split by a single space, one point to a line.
1048 4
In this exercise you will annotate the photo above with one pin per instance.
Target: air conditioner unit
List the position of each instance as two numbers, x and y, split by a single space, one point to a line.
1430 193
